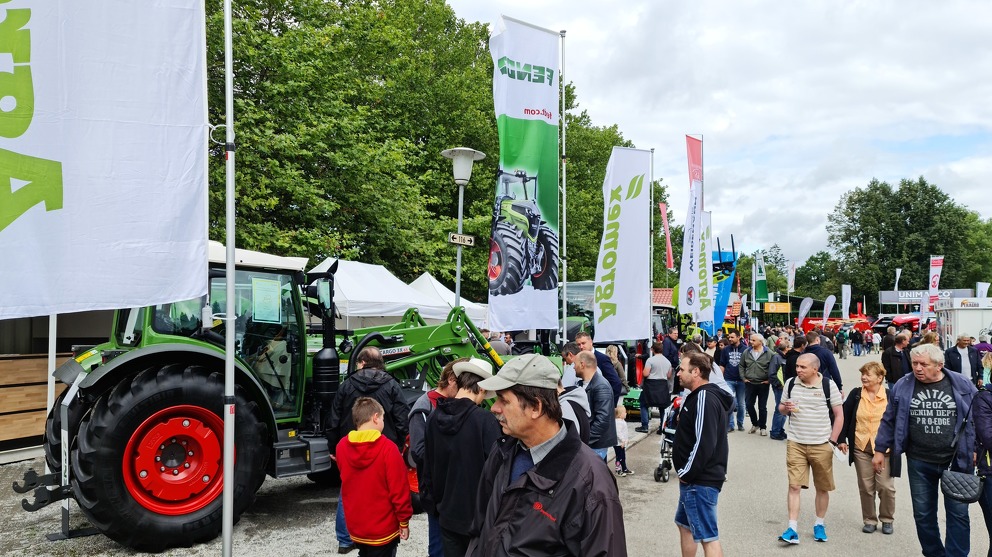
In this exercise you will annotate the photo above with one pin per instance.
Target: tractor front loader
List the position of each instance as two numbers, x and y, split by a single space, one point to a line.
137 438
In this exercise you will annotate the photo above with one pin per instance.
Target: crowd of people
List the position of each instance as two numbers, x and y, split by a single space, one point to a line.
530 475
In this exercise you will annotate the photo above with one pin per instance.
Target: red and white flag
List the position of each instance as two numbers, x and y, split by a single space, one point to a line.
669 259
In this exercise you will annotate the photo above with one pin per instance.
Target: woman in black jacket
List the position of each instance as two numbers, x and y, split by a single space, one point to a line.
863 411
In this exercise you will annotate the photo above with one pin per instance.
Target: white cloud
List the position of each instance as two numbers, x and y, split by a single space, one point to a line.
798 102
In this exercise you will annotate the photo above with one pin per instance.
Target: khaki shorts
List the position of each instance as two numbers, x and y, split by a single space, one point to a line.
800 458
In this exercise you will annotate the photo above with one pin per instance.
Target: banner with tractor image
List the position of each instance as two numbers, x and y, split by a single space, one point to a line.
523 254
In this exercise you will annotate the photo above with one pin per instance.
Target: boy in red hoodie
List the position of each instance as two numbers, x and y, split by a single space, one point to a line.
373 483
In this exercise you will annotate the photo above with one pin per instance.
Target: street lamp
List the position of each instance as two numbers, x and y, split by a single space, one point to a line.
462 159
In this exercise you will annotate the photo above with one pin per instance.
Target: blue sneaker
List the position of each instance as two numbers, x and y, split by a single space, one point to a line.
819 533
789 536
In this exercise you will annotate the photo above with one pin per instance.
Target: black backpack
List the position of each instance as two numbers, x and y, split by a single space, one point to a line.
826 394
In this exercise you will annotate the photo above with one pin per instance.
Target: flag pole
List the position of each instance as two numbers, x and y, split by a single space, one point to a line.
651 275
564 201
229 406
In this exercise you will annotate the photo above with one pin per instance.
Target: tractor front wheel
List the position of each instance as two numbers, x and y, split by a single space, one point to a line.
53 430
546 275
506 259
148 464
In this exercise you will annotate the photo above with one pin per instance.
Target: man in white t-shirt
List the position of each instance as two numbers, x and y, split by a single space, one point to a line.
655 387
812 403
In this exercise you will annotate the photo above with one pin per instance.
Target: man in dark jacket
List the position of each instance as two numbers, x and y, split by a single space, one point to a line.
372 381
447 387
610 373
602 421
889 339
699 455
542 491
460 435
964 359
895 359
730 361
828 364
925 411
670 347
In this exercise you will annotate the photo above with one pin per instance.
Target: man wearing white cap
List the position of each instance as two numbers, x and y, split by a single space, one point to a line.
542 492
459 437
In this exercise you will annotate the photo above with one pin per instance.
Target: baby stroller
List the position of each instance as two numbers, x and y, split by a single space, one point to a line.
661 473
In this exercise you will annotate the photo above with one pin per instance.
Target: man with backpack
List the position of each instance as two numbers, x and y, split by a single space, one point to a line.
814 406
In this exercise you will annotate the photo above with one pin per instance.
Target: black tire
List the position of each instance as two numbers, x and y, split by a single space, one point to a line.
665 475
53 431
546 278
657 474
506 260
181 408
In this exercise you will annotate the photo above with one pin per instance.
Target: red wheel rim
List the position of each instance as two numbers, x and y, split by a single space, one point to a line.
495 261
173 462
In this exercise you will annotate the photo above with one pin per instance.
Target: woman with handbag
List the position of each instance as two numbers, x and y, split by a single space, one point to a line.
863 412
982 413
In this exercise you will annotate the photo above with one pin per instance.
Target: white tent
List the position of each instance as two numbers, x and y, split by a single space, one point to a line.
367 295
430 286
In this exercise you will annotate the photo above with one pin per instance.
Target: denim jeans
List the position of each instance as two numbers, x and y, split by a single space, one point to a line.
739 390
434 545
857 348
601 453
924 485
341 530
986 503
778 419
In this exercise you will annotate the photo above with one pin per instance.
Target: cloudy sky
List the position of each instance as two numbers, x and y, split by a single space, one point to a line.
797 102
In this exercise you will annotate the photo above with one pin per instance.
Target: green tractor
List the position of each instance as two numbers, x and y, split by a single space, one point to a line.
137 438
523 246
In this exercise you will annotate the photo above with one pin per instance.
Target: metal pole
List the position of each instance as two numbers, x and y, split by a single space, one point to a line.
563 238
229 407
50 400
652 208
458 258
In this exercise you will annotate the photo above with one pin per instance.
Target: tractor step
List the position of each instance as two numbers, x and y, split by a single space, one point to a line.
304 454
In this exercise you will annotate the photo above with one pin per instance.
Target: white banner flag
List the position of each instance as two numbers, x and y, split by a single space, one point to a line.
804 307
103 173
706 291
845 301
689 300
936 266
622 306
898 274
828 306
981 289
791 287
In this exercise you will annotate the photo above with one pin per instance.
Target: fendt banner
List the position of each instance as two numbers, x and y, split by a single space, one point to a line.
523 252
689 299
103 172
760 280
622 303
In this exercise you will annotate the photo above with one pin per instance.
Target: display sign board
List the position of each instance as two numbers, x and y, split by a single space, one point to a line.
778 307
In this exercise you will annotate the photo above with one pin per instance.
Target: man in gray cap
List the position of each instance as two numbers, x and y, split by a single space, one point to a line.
542 487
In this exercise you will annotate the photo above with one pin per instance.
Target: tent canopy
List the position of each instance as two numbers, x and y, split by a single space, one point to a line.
429 285
362 290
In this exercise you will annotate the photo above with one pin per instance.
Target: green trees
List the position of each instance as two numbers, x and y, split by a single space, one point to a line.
342 110
876 229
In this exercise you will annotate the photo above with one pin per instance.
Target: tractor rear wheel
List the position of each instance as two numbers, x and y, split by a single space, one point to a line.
546 277
506 259
148 463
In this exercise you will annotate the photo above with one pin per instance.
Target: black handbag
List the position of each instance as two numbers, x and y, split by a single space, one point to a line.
961 486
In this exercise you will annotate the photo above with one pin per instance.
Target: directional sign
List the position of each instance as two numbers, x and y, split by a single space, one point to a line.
461 239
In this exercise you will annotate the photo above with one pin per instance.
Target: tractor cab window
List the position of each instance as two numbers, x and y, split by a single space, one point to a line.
267 331
178 318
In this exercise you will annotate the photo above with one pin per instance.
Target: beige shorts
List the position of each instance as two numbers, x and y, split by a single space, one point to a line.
799 459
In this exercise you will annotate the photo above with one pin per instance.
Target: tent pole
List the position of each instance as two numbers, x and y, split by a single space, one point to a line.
229 401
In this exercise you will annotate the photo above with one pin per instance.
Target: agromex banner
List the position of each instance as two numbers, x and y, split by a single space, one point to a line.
623 274
523 255
103 172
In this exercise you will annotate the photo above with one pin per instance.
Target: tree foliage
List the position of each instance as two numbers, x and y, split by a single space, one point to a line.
342 110
876 229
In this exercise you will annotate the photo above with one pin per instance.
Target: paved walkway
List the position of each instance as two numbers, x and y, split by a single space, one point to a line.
752 510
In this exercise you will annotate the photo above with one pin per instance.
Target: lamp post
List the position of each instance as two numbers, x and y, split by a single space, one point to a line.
462 159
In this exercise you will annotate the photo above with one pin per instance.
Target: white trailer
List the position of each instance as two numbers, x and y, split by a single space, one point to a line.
969 316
